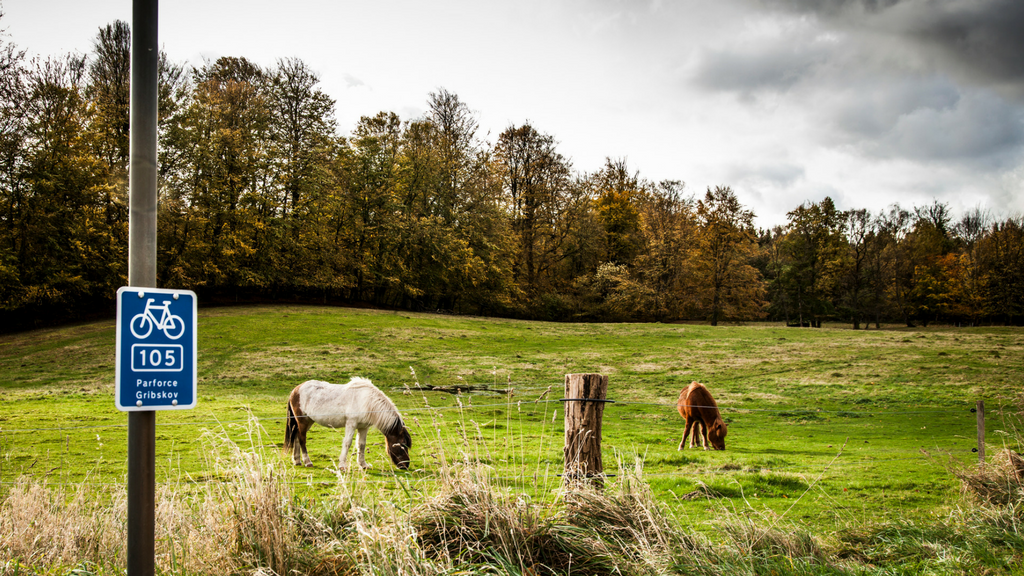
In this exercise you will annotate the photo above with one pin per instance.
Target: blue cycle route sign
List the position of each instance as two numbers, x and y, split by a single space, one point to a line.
156 349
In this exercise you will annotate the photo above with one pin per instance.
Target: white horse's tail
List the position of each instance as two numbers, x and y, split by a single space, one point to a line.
291 428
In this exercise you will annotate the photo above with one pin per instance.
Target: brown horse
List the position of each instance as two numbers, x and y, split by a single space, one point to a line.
355 407
701 412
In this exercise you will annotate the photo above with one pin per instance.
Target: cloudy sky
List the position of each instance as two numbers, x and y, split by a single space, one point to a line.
867 101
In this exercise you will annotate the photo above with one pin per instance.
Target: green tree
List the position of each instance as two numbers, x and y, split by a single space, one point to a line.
13 151
67 251
302 161
109 91
373 229
457 149
815 247
855 289
302 132
897 262
771 262
1004 253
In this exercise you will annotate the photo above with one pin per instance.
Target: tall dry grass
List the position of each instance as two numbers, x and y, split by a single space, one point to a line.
60 525
249 518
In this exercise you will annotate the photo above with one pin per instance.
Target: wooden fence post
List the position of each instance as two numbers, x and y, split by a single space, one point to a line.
981 432
584 406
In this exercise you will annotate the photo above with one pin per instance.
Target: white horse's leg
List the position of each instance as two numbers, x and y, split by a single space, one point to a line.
362 448
350 430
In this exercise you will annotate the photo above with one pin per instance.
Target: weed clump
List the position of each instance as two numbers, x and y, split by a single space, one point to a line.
999 482
621 530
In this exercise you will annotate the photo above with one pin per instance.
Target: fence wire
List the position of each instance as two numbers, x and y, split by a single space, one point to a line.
463 404
519 404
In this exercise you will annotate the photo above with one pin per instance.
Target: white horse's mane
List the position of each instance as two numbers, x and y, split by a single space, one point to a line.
380 410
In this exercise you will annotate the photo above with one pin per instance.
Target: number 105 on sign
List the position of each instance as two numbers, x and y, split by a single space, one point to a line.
158 358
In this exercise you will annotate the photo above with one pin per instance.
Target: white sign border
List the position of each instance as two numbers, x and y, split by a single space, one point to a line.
194 345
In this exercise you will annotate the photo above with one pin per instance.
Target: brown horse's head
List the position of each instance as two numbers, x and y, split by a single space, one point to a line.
398 444
716 434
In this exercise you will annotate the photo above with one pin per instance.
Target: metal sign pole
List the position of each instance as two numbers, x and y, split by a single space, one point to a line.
142 190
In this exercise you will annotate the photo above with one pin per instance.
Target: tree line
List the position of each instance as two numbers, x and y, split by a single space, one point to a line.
261 198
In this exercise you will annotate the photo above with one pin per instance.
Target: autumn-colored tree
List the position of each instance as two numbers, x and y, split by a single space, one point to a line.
669 229
535 181
726 244
617 208
929 243
613 294
219 197
260 197
965 270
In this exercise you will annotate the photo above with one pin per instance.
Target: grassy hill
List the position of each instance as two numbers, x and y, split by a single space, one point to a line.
828 428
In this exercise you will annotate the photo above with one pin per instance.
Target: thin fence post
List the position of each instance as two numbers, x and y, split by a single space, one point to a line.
981 432
584 406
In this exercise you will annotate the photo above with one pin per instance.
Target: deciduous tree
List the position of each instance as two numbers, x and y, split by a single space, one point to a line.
535 180
726 246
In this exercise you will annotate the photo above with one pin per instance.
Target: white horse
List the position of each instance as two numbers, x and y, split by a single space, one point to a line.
355 407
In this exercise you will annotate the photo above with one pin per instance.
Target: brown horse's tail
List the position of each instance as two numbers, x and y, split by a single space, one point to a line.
291 428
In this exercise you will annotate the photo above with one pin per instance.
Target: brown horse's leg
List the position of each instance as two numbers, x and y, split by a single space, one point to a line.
297 445
300 454
686 432
298 425
704 435
697 425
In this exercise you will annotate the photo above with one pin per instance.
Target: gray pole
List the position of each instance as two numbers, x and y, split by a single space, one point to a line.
142 189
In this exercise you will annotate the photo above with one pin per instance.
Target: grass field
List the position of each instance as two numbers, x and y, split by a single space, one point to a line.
828 427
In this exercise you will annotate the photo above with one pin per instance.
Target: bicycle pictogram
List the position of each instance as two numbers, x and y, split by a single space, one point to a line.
142 324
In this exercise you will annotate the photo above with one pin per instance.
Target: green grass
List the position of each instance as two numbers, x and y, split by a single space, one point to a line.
827 426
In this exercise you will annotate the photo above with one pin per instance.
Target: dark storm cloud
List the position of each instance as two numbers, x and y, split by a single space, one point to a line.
871 107
982 40
925 80
986 38
772 67
979 127
927 119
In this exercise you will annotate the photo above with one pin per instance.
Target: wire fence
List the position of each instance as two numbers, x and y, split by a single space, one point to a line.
725 410
958 438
